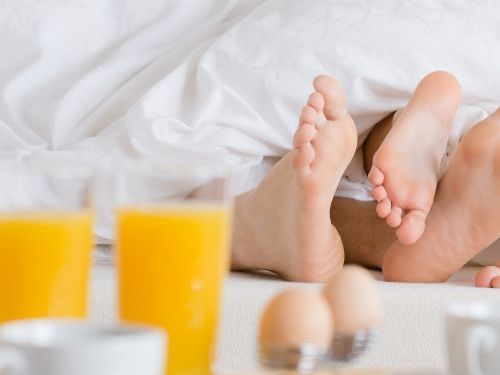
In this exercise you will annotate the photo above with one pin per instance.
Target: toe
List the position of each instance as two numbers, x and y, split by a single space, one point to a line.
376 177
394 218
383 208
316 101
334 97
486 275
303 157
412 227
495 283
309 115
379 193
304 134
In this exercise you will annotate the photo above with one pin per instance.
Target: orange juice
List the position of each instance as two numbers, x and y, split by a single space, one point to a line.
171 262
44 264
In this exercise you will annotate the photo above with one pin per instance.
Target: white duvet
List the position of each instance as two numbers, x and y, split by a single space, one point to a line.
225 79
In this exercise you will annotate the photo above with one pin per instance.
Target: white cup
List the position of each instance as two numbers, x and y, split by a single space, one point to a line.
70 347
473 335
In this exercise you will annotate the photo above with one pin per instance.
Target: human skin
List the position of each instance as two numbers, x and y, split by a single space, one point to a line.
284 224
269 235
405 168
257 244
464 218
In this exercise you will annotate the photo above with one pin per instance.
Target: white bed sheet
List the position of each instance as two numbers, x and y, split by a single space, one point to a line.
224 80
411 335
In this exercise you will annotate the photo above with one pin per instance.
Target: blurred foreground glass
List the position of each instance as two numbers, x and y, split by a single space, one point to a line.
173 229
45 238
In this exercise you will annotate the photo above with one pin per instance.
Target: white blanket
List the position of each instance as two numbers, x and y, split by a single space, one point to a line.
225 79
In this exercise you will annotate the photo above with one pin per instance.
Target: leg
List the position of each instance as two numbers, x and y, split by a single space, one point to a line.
366 238
284 224
465 216
406 165
375 139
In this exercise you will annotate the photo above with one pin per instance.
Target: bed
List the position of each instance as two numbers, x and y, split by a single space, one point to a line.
411 335
225 80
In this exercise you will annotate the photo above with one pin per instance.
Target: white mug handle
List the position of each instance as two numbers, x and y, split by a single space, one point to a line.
12 360
481 338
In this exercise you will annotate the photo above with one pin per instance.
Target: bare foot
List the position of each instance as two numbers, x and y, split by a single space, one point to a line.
489 277
406 166
465 216
284 224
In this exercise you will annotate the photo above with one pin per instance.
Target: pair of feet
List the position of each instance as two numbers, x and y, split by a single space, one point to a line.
290 210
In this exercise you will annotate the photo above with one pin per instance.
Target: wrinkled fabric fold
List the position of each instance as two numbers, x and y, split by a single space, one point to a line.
225 80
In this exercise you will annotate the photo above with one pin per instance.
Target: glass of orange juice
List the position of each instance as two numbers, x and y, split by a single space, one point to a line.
173 228
45 238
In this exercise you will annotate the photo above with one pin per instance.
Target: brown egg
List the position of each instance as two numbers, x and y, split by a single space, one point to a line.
295 317
354 300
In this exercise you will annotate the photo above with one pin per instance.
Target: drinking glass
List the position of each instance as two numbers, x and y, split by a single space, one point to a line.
173 228
45 238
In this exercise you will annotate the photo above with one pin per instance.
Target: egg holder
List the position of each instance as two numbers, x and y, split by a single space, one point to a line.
303 359
346 348
307 357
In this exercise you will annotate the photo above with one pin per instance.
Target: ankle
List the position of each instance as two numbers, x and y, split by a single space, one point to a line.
244 240
239 257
